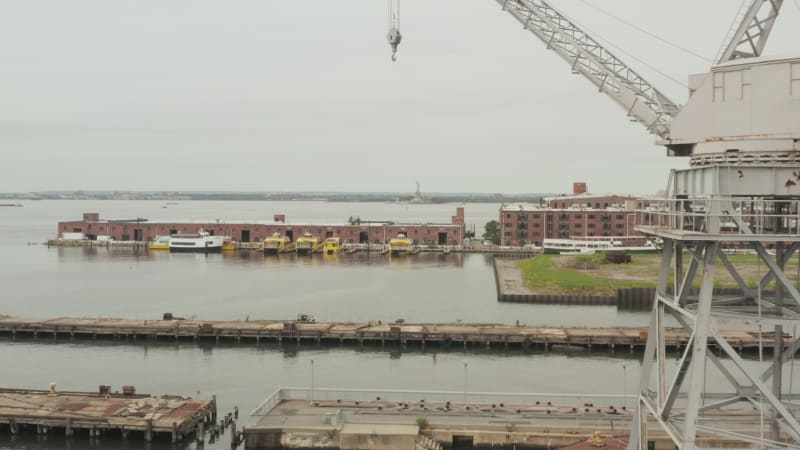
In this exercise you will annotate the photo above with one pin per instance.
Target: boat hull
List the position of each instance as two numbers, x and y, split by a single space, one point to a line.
642 251
209 249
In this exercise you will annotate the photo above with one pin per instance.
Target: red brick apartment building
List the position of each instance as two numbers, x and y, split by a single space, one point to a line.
574 216
355 231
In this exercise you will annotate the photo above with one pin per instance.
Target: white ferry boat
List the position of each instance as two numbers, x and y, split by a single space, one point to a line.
201 242
588 246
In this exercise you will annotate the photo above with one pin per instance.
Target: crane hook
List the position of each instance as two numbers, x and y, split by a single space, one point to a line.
394 37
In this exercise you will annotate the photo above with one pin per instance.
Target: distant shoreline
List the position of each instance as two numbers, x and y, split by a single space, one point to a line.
305 197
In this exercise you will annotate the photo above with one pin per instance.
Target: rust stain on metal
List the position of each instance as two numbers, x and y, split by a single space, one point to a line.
74 406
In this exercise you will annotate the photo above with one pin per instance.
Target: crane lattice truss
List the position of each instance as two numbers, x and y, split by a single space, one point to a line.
750 31
586 56
707 208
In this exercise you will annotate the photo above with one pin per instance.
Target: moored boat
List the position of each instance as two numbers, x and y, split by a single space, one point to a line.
307 244
588 246
401 245
160 243
202 242
277 244
229 244
333 246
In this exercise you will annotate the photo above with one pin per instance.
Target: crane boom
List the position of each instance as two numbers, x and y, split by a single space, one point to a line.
642 101
750 32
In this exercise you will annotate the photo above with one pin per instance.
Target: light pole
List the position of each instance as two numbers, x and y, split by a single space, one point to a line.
312 382
465 382
624 387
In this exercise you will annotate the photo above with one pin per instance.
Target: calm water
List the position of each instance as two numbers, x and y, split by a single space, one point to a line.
45 282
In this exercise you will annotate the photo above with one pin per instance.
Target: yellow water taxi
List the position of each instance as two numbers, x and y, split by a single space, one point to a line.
401 245
308 244
333 245
229 245
160 243
277 244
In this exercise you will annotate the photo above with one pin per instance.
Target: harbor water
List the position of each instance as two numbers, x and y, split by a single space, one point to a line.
38 281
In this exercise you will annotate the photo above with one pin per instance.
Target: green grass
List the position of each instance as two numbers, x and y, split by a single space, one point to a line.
543 275
590 275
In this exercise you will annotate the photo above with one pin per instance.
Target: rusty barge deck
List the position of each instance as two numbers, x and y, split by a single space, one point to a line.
256 331
68 413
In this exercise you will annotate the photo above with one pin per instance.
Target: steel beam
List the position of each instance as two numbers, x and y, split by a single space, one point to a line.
702 328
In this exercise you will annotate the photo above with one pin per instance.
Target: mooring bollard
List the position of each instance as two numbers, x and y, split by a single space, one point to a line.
234 437
236 412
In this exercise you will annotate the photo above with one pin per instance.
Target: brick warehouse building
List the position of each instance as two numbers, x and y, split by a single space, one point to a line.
575 216
355 231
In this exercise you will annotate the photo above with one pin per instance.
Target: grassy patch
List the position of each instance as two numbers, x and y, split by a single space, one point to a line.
579 274
591 275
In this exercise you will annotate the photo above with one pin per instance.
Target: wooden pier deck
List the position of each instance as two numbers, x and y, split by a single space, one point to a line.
43 412
359 333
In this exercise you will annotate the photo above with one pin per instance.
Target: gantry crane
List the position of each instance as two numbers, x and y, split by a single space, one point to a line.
741 129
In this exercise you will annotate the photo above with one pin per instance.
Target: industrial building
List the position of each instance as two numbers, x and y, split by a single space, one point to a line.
354 231
578 215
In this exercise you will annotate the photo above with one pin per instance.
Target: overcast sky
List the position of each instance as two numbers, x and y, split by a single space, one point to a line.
271 95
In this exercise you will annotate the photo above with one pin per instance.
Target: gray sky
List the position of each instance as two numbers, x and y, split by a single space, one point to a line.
286 95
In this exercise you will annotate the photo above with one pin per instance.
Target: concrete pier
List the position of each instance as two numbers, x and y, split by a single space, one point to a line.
408 420
445 335
94 414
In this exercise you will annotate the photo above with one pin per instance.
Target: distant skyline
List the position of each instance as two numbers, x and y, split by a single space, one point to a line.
201 95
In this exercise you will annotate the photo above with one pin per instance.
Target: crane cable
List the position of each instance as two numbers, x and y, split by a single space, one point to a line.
608 43
393 36
642 30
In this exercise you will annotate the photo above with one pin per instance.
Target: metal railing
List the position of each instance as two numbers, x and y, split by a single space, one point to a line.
455 397
726 215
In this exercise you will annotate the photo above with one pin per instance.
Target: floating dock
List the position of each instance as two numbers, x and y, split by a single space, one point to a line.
446 335
69 413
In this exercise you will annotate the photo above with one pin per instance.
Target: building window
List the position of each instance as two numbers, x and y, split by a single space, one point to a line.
508 233
578 225
620 217
591 225
536 225
620 225
536 216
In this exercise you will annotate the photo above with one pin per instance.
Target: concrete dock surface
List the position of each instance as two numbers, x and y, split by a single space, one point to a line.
332 418
373 331
359 333
70 412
